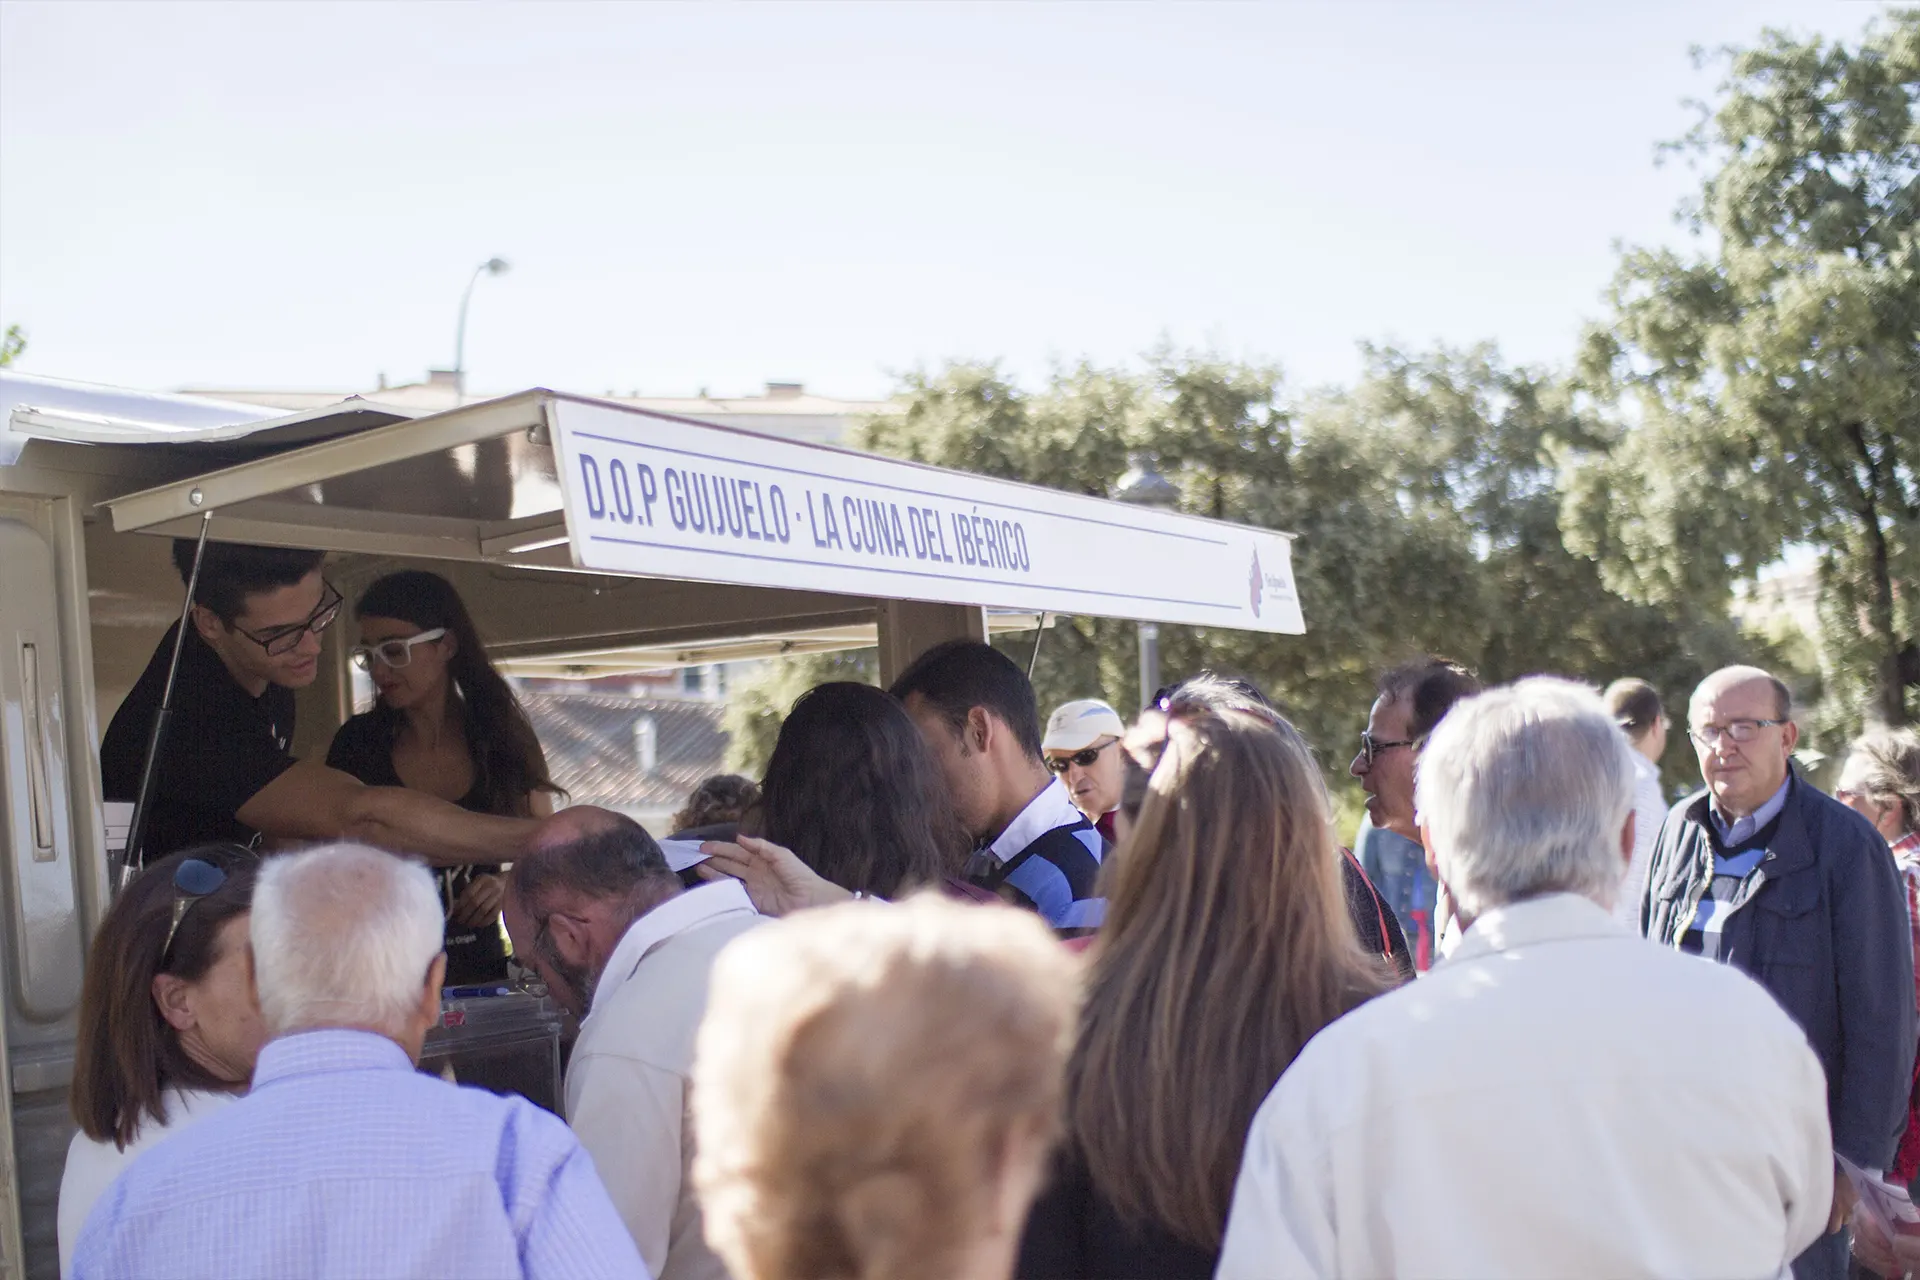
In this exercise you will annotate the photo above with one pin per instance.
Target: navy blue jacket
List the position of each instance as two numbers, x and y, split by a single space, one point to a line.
1822 924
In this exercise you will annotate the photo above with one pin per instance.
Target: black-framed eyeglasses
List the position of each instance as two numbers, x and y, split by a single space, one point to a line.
1084 758
1371 747
193 880
286 639
1708 735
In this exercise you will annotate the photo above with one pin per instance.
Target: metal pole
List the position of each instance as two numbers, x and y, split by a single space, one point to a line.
460 335
1033 659
134 855
1149 660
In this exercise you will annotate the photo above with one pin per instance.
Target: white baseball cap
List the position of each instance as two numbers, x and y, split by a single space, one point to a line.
1075 725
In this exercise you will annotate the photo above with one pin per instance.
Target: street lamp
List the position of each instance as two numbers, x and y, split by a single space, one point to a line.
491 267
1144 486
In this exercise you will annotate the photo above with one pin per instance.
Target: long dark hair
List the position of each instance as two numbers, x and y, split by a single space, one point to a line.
508 764
1227 946
852 789
127 1053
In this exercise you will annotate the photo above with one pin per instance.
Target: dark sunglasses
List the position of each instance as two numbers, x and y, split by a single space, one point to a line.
1371 746
286 639
1085 758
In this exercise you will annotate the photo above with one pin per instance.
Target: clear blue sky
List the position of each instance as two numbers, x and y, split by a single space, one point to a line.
292 195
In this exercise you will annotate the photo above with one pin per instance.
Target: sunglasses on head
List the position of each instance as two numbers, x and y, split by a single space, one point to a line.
1083 758
193 880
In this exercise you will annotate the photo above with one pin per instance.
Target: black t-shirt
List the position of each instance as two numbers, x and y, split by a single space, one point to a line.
364 748
223 746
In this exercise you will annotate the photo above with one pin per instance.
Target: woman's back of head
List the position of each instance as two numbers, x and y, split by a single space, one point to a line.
852 789
1226 947
127 1053
876 1087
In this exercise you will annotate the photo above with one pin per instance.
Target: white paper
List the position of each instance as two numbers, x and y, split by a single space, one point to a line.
682 854
1888 1207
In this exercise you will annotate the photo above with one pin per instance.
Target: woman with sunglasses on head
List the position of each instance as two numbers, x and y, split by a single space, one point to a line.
445 723
169 1028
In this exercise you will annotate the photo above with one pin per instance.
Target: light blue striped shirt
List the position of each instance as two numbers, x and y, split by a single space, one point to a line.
346 1162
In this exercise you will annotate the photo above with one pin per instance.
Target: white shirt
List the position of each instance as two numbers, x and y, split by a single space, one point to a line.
627 1079
92 1166
1649 812
1557 1099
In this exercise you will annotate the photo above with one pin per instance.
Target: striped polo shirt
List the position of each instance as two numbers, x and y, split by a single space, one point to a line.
1048 859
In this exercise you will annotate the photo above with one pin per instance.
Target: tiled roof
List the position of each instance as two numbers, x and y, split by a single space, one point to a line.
594 741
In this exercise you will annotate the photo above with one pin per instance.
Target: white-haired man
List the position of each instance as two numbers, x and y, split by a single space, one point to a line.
1571 1122
344 1161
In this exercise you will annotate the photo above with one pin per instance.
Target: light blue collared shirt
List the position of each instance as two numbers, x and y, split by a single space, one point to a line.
1742 829
346 1162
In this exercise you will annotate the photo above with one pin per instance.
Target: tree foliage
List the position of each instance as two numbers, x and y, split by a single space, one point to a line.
1772 380
1425 499
12 343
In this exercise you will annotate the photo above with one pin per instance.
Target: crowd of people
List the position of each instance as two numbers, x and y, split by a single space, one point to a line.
966 994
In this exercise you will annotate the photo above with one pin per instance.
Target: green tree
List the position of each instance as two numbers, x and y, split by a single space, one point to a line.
12 343
1769 386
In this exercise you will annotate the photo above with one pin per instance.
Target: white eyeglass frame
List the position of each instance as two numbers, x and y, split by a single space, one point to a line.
363 655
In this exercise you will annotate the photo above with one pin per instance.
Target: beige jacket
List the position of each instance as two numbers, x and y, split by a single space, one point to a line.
627 1080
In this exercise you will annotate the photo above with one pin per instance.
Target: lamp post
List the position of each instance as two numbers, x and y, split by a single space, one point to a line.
491 267
1144 486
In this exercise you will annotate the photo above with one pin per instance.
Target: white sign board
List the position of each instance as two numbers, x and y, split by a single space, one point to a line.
673 499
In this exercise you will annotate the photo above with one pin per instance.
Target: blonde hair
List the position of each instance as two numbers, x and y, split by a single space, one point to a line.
1227 946
861 1078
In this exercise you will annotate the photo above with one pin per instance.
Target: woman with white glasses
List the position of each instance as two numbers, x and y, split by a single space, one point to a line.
445 723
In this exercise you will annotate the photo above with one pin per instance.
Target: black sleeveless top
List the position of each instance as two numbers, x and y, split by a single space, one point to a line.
363 749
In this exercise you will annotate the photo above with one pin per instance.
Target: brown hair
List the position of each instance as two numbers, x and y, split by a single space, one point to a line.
725 797
1227 946
1890 761
127 1053
1634 706
862 1077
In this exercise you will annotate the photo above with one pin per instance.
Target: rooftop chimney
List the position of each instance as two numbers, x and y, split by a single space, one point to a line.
785 390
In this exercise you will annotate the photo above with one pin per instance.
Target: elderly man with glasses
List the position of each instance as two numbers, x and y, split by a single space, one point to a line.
225 769
1762 871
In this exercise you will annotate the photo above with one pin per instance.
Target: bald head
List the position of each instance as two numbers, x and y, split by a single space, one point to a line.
590 875
571 825
584 853
1740 720
1746 679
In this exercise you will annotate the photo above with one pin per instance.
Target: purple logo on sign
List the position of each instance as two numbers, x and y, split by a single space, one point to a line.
1259 584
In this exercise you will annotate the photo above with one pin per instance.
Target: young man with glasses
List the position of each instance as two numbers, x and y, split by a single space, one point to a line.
1762 871
226 771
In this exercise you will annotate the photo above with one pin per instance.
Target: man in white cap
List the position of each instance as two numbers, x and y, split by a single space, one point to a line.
1082 745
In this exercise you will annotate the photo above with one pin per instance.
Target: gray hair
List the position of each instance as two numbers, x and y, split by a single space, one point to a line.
1889 765
1525 790
343 936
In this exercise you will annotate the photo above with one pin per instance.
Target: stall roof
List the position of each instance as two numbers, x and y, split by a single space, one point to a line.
55 409
545 480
